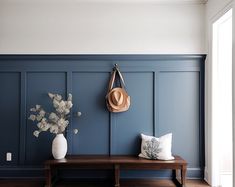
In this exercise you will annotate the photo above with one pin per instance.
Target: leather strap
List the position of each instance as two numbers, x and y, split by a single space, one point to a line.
112 79
121 77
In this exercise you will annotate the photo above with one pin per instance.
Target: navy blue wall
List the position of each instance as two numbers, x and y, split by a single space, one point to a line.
167 95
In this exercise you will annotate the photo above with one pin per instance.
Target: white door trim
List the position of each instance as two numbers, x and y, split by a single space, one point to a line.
208 96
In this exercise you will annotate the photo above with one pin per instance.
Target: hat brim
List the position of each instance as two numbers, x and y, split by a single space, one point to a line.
125 98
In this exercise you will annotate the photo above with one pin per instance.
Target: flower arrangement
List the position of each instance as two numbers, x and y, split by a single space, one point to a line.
55 122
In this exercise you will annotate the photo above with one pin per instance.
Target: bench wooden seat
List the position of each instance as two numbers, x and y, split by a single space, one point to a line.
116 163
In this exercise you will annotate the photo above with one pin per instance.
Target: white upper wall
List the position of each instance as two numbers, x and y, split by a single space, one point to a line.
79 27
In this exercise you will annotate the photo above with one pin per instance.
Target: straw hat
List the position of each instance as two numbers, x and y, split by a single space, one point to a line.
118 100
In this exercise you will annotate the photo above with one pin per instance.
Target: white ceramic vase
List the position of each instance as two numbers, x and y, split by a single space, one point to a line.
59 146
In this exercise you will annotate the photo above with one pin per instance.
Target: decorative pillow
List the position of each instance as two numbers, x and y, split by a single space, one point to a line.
156 148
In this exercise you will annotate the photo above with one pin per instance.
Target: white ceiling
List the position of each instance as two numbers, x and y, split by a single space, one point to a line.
120 1
153 1
184 1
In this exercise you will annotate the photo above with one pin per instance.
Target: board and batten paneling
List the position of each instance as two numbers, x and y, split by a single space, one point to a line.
10 117
166 96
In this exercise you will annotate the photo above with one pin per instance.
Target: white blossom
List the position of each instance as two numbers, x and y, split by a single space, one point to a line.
53 117
38 107
46 127
70 97
75 131
56 103
79 114
66 111
43 125
54 129
44 120
39 125
66 123
32 117
60 110
51 95
36 133
33 109
42 113
62 104
39 117
61 122
69 104
62 129
58 97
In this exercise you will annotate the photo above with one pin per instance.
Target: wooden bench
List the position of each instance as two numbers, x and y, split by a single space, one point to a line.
116 163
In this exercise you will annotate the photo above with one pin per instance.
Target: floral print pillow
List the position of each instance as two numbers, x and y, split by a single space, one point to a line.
156 148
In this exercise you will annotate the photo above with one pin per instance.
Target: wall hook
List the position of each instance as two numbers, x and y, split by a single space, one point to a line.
116 66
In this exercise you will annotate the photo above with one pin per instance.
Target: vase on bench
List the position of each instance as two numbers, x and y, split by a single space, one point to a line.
59 146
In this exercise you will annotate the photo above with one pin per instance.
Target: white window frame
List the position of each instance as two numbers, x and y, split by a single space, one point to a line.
208 95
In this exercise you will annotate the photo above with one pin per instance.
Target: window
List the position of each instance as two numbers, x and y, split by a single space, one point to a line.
222 101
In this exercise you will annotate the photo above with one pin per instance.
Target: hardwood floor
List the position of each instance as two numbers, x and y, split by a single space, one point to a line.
129 183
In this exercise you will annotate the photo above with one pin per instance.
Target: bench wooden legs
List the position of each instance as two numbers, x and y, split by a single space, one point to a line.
183 176
180 183
117 175
48 176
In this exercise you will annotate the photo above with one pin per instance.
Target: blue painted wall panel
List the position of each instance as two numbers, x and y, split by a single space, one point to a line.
127 126
10 117
38 85
89 90
179 113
